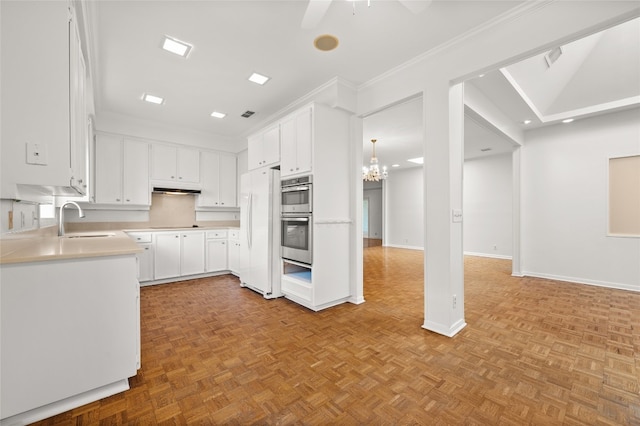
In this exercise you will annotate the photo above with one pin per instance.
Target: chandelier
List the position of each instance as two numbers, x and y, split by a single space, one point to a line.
372 173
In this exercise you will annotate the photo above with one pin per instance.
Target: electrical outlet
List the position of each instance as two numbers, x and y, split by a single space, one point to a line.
495 247
455 301
36 154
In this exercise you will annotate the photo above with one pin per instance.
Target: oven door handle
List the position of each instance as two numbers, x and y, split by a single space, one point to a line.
295 219
295 188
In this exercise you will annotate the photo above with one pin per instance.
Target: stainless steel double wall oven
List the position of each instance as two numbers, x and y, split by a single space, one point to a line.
297 220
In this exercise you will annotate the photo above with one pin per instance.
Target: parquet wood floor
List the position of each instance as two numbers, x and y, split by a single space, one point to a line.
534 352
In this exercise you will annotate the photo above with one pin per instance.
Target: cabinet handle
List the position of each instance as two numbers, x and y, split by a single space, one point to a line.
222 204
117 199
290 170
128 200
146 248
297 168
172 177
177 236
180 177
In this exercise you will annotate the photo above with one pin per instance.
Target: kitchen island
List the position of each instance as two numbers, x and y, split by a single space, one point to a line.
70 322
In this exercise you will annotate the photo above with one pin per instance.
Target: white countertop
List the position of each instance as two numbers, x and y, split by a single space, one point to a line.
71 246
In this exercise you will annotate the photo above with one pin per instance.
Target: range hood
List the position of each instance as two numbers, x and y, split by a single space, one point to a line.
175 191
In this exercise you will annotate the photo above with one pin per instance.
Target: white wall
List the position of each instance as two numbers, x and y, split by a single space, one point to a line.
487 206
375 211
564 202
404 209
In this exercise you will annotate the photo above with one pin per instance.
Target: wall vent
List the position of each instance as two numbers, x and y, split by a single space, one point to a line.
247 114
485 149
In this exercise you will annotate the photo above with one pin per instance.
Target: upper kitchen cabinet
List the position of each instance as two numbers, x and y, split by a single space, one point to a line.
122 171
175 166
218 180
264 148
296 142
43 77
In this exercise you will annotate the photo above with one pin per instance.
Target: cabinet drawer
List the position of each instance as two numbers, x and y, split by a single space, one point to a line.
216 234
234 234
140 237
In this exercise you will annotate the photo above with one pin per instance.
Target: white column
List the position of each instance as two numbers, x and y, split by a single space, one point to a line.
516 265
443 154
356 270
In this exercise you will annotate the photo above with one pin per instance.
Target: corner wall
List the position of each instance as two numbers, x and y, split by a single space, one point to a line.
564 202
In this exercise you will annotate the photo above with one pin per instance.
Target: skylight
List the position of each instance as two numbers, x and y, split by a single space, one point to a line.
178 47
419 160
258 78
217 114
152 99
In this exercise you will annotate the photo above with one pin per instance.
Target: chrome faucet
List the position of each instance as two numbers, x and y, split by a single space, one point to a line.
61 216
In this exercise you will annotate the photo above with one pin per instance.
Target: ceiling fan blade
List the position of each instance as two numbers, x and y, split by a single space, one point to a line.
416 6
314 13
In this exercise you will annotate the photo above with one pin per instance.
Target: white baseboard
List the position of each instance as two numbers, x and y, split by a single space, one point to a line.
443 329
493 256
574 280
404 247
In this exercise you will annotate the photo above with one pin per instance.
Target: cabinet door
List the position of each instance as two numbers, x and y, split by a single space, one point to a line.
228 181
108 170
163 162
136 173
167 256
192 257
79 140
271 146
254 155
288 147
145 262
234 256
304 141
216 255
188 165
209 176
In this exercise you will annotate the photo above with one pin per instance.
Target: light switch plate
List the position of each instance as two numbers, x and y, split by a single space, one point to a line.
36 153
456 215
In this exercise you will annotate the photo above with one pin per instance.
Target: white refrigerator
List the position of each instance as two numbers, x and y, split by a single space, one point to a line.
260 231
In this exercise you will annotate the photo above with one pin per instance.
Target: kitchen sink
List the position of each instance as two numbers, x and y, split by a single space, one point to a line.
90 235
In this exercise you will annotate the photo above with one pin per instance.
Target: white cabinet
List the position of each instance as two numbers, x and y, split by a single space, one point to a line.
233 250
44 117
296 140
264 148
167 255
122 171
144 259
175 165
178 253
192 253
217 251
218 179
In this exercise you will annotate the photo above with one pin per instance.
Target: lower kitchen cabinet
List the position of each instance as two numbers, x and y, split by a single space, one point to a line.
192 253
167 255
145 258
233 251
217 251
178 253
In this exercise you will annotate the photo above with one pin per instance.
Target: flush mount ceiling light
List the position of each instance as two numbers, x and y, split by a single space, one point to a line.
395 165
217 114
152 99
372 173
258 78
567 120
326 42
418 160
176 46
526 122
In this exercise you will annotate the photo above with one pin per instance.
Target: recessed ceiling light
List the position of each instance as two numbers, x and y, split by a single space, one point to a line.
567 120
217 114
419 160
176 46
526 122
326 42
395 165
153 99
480 75
258 78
